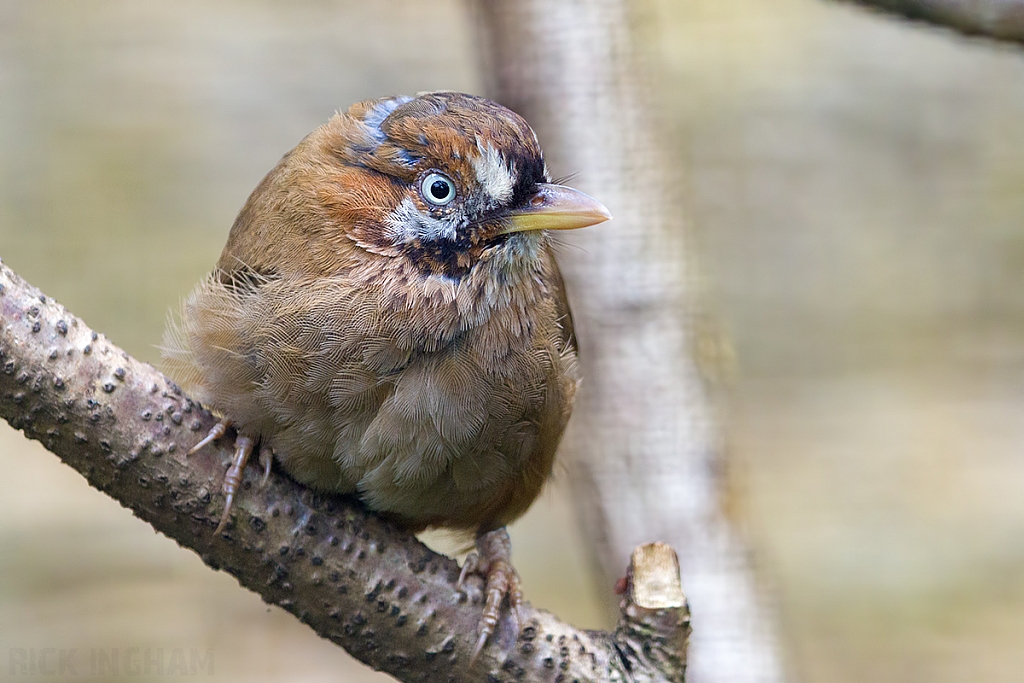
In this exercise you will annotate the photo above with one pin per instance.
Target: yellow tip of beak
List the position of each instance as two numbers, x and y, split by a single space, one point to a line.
556 207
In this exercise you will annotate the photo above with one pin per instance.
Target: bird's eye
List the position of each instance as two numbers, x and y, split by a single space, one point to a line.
438 189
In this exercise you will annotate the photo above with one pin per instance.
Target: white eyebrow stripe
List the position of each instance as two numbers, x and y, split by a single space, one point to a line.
496 177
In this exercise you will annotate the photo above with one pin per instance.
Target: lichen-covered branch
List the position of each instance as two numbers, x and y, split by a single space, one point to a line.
353 578
1000 19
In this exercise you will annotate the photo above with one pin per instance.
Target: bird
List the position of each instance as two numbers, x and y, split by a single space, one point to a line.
388 320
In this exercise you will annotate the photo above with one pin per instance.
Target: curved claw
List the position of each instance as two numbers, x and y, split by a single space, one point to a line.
224 516
266 458
218 430
481 641
470 566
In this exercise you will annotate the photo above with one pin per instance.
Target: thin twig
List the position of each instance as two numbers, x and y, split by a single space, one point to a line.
999 19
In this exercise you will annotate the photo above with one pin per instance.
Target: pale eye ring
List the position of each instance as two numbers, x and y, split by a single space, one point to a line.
438 189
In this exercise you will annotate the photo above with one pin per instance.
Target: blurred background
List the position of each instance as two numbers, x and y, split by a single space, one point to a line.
855 187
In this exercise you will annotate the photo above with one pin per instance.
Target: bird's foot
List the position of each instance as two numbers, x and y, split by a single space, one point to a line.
493 561
244 446
233 477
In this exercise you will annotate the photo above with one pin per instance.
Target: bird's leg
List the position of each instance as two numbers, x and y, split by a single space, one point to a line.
493 561
218 430
233 478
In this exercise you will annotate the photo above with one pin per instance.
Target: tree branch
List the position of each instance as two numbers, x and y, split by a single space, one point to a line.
353 578
999 19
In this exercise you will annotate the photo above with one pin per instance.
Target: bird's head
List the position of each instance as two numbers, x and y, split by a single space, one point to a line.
443 180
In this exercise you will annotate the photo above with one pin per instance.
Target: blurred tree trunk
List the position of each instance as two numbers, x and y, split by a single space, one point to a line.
645 451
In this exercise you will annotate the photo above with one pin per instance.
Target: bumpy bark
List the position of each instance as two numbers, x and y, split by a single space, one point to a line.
354 579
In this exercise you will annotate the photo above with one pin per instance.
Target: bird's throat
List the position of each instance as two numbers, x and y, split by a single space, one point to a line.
453 258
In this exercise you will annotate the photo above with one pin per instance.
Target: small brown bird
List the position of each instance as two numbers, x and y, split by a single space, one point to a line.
387 320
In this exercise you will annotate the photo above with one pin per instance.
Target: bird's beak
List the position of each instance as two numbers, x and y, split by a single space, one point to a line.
556 207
